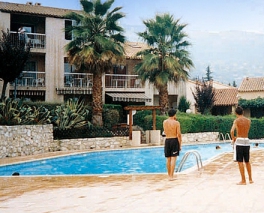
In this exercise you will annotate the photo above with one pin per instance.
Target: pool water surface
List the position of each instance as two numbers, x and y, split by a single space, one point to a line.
129 161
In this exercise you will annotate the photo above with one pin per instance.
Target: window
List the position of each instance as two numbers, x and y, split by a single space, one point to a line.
68 68
68 35
30 66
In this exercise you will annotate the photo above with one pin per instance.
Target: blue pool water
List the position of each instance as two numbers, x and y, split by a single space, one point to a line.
132 161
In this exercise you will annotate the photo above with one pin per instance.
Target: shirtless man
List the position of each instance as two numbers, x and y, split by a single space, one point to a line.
241 144
172 130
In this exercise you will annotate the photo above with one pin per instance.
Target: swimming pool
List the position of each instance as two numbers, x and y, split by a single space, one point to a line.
129 161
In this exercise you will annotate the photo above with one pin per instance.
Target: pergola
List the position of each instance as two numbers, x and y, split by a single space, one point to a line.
131 108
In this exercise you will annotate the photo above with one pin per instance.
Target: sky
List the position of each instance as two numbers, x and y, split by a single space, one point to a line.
211 16
201 15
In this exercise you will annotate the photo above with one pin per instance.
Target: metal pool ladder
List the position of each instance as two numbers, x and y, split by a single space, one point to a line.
186 155
225 137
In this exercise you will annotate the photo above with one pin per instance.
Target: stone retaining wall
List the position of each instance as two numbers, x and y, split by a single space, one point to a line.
36 139
25 140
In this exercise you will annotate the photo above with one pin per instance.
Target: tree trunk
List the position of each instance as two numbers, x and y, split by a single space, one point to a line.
163 99
4 90
97 107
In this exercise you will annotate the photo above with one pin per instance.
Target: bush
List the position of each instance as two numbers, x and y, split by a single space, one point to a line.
139 118
110 118
194 123
183 104
116 107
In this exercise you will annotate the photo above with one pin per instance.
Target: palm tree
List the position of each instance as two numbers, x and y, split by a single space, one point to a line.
96 45
167 58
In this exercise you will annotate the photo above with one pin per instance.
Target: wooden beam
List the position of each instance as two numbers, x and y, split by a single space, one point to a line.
131 108
130 124
154 119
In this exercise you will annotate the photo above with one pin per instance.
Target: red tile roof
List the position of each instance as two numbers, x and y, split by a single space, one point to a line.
34 9
226 97
252 84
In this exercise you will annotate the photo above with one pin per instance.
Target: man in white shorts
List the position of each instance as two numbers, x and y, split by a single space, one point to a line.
241 144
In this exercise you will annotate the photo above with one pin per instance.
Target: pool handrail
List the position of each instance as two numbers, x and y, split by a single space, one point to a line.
186 155
225 137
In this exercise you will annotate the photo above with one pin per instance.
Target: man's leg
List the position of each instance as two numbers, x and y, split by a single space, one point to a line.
173 162
248 166
168 165
242 173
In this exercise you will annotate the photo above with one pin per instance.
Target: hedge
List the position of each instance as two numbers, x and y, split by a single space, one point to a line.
194 123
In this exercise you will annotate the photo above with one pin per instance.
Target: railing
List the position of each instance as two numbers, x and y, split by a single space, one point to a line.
198 160
36 40
82 80
122 81
30 79
79 80
224 137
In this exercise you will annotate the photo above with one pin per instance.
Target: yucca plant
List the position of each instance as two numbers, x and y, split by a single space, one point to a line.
70 115
10 111
40 115
15 112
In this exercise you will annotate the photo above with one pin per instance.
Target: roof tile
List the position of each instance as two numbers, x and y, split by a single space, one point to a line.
34 9
226 97
252 84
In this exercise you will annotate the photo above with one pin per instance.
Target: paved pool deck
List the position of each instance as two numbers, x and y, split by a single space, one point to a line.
212 190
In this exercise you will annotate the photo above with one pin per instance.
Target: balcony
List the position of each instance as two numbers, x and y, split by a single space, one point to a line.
30 79
116 82
36 40
76 83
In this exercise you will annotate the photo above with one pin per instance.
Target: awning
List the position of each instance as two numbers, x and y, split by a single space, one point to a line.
129 97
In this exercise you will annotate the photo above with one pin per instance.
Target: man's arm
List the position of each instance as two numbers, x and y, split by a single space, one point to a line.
178 133
232 131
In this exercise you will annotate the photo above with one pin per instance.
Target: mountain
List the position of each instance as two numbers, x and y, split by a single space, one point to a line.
231 55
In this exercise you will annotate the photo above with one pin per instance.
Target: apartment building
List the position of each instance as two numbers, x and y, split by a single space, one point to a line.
49 77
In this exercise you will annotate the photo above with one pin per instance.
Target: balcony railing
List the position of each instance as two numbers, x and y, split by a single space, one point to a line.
31 79
36 40
78 80
122 81
81 80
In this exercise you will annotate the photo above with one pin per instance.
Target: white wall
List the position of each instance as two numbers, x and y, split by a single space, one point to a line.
54 58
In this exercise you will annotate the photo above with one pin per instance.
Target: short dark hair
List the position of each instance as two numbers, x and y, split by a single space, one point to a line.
172 112
239 110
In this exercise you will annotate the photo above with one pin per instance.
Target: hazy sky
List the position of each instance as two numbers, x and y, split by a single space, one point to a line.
230 55
204 15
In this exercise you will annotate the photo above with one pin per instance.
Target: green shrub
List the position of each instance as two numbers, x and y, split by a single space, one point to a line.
110 118
116 107
70 115
183 104
138 118
16 112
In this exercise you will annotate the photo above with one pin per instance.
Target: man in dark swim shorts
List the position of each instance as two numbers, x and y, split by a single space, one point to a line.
172 130
241 144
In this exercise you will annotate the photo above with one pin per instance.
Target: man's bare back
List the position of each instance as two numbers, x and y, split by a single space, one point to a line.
241 125
171 127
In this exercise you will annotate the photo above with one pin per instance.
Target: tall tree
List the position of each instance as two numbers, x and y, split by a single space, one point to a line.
204 96
208 75
167 59
14 53
96 45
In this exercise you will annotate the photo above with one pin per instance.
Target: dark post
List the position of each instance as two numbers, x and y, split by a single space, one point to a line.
130 124
154 119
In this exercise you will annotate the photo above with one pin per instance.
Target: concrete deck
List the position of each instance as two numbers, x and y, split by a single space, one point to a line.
212 190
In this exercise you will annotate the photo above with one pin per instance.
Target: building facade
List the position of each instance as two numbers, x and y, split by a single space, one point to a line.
49 77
